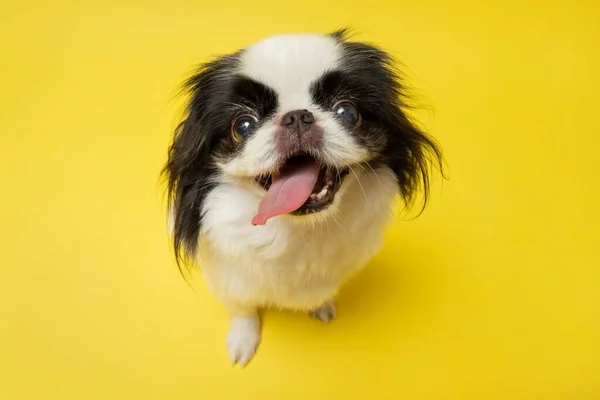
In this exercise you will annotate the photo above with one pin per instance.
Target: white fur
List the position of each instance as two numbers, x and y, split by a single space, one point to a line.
289 64
243 338
291 262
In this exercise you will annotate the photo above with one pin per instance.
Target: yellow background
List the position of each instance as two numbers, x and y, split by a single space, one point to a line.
494 293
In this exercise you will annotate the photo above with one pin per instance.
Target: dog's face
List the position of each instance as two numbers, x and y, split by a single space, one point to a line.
290 117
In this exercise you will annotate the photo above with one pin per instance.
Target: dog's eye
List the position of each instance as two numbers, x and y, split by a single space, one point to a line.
346 112
243 126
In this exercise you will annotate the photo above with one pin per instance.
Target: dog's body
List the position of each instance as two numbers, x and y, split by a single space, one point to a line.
285 171
290 263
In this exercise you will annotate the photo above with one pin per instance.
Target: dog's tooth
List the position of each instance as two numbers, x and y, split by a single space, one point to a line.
322 193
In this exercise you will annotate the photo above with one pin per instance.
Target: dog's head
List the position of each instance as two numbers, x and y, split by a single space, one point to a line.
289 117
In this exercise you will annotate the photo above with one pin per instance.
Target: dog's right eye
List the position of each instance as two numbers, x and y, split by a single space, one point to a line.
243 126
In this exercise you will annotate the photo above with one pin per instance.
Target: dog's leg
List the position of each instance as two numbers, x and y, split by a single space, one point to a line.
325 313
243 337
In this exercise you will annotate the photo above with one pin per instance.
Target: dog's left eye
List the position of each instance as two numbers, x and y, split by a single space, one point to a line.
346 112
243 126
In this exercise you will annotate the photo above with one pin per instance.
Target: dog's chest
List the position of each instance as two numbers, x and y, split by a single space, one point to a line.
286 263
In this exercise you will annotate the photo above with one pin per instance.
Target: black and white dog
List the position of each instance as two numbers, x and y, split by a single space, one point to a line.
284 172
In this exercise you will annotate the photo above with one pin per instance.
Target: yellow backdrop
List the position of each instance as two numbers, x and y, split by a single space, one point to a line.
494 293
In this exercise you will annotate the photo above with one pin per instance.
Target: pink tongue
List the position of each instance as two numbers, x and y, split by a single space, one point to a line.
288 191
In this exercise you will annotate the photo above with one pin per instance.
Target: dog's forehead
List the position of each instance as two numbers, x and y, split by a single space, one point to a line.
289 64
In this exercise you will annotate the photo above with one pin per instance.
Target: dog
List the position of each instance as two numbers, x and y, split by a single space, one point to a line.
285 171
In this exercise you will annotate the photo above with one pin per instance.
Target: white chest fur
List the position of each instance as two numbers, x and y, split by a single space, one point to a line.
292 262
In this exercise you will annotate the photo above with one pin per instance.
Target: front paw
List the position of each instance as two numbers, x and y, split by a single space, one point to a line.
243 339
326 313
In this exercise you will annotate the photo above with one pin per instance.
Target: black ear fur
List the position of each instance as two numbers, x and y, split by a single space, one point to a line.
410 152
412 155
190 168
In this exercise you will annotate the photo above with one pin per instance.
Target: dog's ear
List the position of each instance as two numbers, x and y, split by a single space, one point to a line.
412 155
410 152
190 169
188 181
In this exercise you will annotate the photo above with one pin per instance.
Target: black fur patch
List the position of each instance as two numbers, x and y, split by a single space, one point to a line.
369 78
216 96
255 96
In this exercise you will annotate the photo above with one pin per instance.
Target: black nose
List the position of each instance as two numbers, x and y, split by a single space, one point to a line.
298 119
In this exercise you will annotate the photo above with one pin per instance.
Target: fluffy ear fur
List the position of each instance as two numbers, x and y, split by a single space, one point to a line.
411 155
190 169
410 152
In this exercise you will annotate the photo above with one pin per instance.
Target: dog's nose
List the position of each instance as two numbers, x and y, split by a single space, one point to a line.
299 132
298 120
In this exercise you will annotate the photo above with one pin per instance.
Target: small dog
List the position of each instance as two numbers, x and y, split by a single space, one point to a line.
284 173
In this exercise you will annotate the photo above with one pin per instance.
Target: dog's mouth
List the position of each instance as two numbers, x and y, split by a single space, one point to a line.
302 186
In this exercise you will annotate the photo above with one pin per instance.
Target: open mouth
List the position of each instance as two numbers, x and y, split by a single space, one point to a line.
302 186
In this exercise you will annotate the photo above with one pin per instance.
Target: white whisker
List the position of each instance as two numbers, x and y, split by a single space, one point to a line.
359 184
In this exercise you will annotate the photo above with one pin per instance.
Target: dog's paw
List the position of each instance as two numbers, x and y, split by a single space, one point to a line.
243 339
326 313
